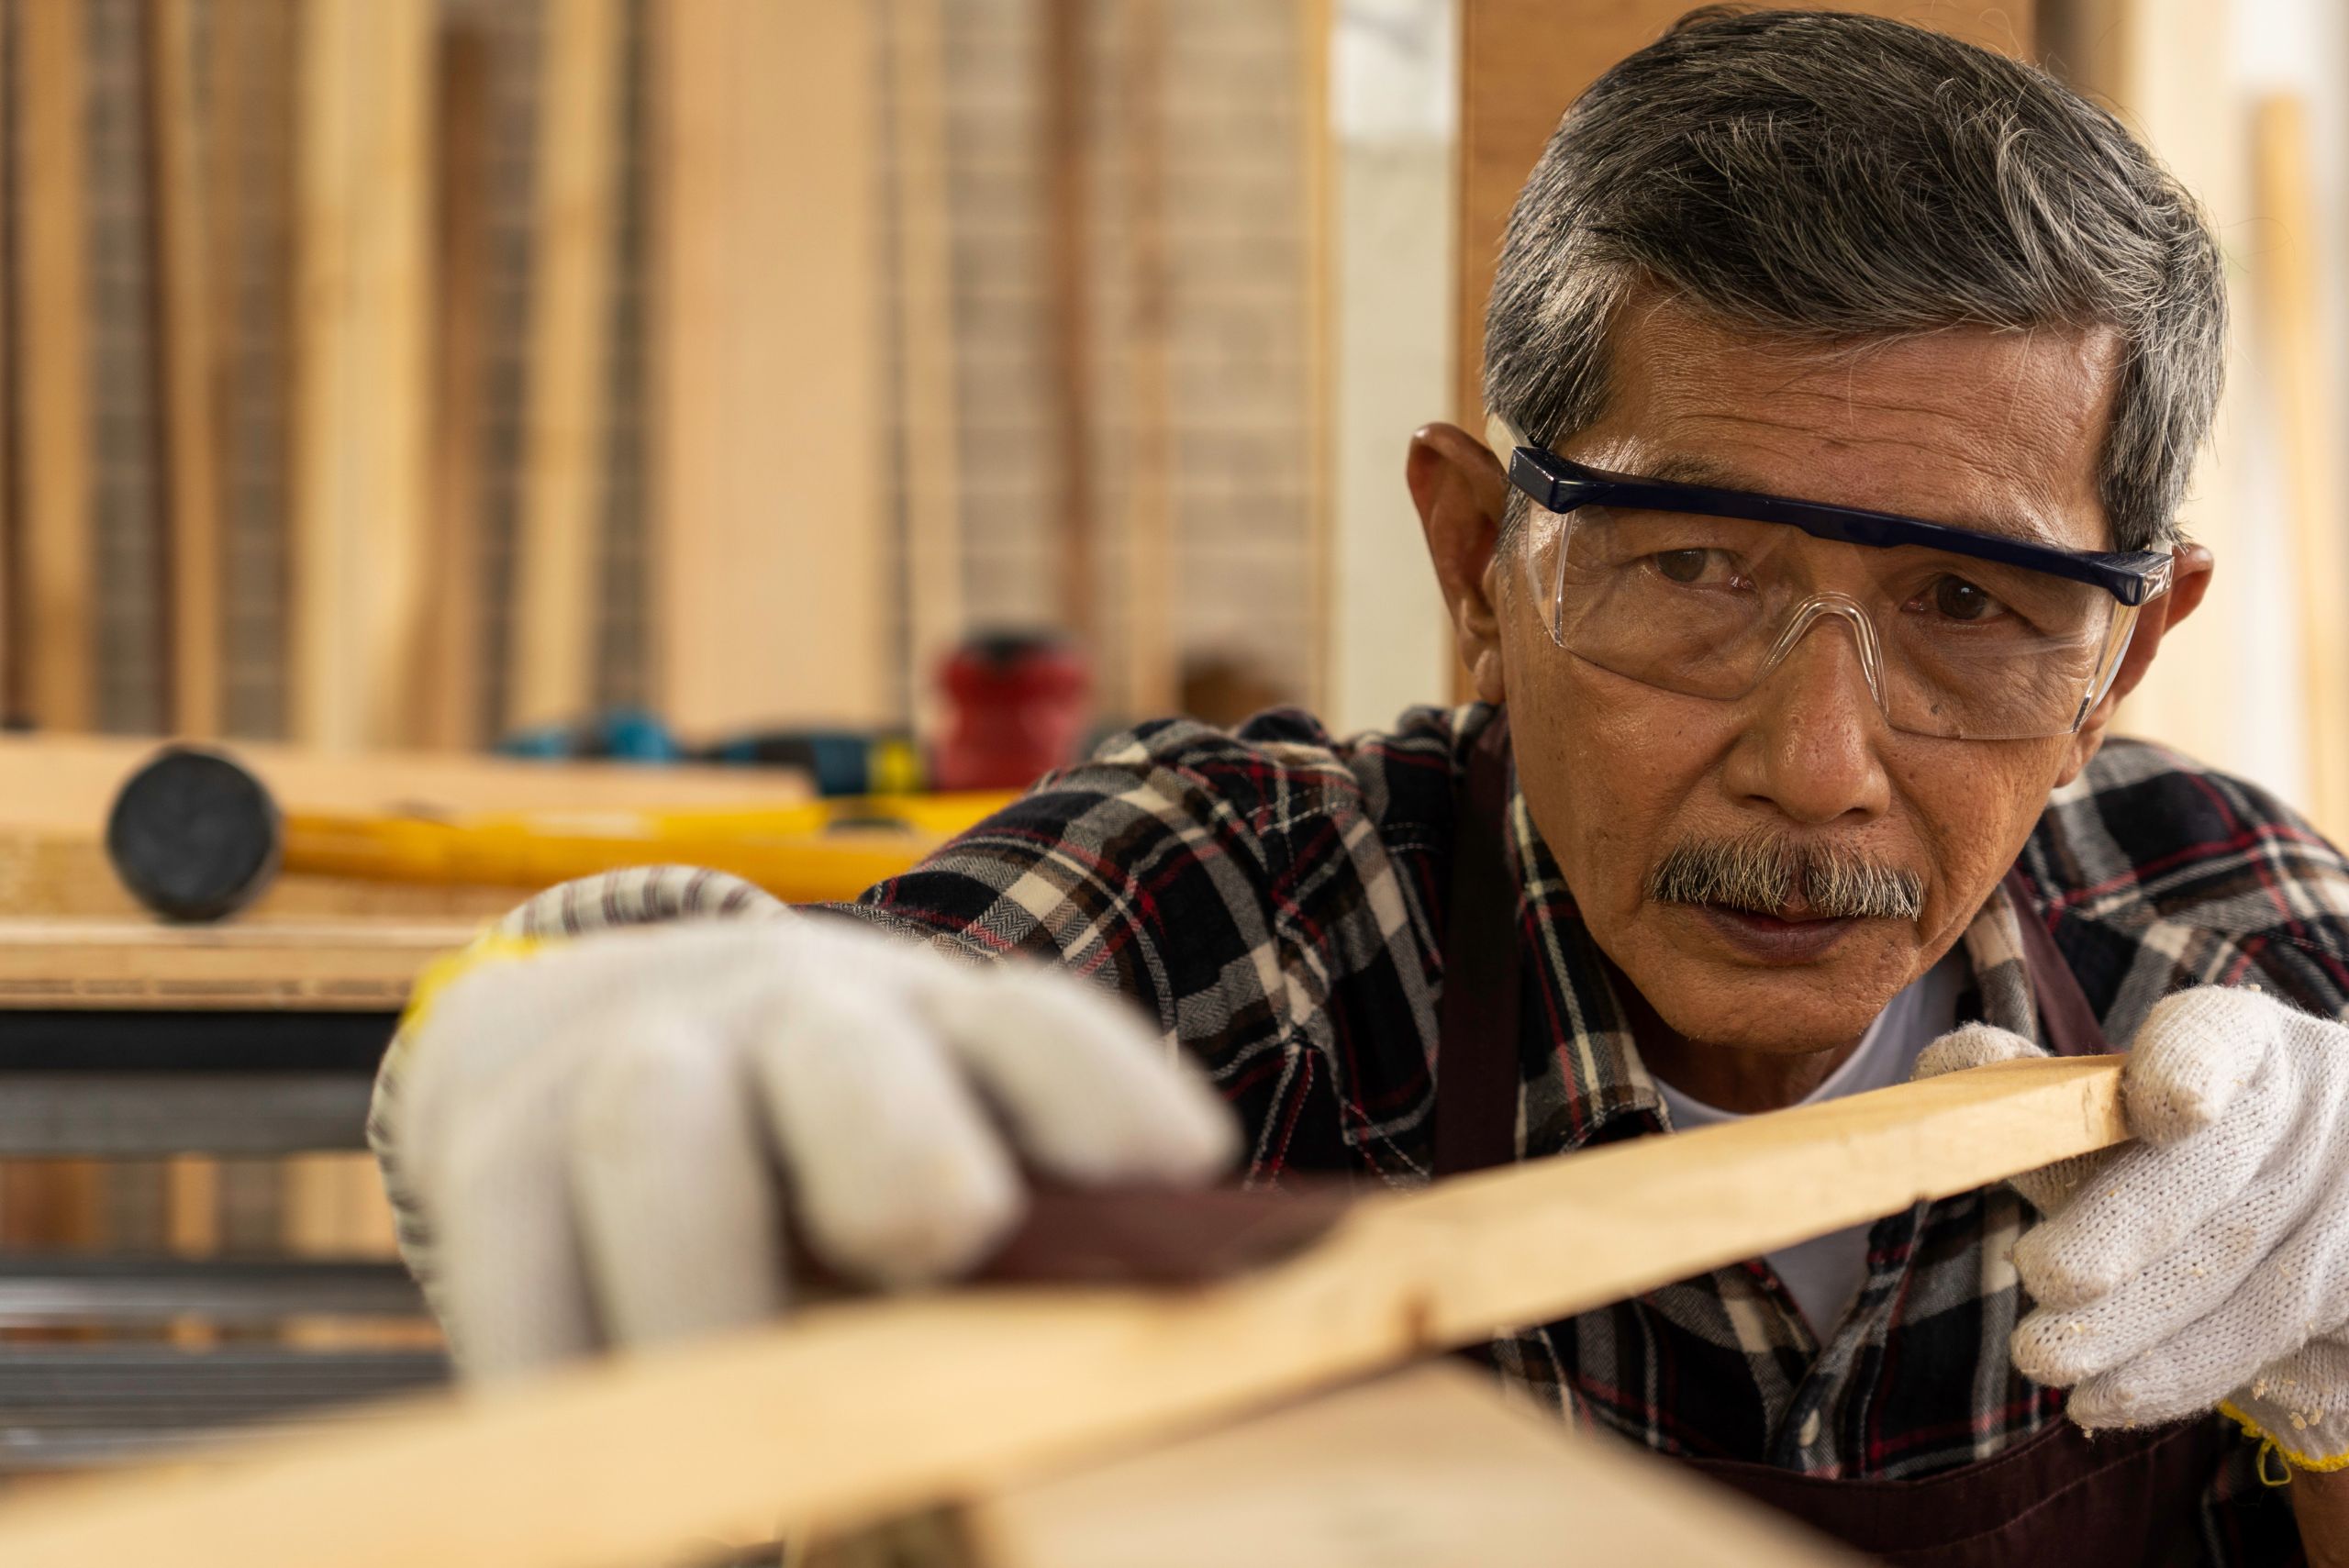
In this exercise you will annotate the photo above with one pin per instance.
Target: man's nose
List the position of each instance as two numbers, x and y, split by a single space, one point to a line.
1812 733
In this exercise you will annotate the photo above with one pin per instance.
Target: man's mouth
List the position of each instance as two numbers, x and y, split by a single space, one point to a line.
1792 935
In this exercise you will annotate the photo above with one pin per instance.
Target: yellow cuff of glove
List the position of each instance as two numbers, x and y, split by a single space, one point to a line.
492 946
2305 1431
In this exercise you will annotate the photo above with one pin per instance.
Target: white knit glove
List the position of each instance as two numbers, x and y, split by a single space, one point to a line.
594 1139
2207 1263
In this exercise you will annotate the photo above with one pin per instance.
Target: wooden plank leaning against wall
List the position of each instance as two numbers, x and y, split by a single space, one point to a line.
928 422
191 428
1522 62
768 424
1150 660
573 257
1063 69
362 299
453 718
52 670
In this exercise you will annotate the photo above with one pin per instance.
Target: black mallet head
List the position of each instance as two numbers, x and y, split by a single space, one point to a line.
194 836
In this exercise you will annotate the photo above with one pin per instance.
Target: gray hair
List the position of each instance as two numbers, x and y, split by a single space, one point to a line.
1762 873
1832 178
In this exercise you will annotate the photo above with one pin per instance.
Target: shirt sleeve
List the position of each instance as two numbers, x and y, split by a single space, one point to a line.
2166 875
1235 886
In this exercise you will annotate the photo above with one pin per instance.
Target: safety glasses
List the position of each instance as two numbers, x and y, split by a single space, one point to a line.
1702 591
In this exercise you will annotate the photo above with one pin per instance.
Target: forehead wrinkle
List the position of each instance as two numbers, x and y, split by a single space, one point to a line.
1831 379
1721 408
2015 378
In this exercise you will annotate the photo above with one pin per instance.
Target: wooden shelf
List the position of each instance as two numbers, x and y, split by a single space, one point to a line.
308 965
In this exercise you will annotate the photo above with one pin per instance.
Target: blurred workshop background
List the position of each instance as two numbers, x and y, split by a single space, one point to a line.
388 372
751 379
424 372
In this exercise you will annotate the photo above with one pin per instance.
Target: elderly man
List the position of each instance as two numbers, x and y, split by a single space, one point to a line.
1843 381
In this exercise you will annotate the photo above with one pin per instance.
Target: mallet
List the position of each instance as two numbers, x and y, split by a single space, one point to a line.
194 836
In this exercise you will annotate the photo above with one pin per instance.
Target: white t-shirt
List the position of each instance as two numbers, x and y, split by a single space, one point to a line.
1824 1275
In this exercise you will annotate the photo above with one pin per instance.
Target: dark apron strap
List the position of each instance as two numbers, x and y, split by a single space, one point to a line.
1476 1055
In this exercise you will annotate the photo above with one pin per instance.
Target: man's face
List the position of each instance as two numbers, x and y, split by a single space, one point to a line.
1996 431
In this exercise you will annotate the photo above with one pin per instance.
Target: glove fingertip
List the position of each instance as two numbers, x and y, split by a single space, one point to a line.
1195 1141
2098 1404
2034 1352
935 1221
1976 1045
2194 1055
2057 1347
1091 1094
2056 1273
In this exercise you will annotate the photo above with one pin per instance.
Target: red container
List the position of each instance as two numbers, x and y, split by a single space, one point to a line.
1015 709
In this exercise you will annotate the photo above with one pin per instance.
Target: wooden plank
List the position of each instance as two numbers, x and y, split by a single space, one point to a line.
1067 70
1316 173
851 1413
54 631
1154 679
1522 62
362 294
2289 317
454 652
310 966
1428 1468
189 371
249 48
66 875
774 573
52 1205
192 1206
928 425
12 701
573 255
336 1207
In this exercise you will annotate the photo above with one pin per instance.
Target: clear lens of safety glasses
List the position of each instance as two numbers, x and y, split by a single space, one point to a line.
1950 645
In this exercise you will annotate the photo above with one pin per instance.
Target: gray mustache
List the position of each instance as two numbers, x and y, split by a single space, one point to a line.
1761 874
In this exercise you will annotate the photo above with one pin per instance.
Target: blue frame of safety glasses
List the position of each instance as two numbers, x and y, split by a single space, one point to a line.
1561 484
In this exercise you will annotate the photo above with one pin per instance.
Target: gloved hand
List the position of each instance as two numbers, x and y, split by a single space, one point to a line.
594 1139
2207 1263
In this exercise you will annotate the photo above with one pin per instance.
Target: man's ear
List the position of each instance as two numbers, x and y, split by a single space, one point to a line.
1460 490
2189 579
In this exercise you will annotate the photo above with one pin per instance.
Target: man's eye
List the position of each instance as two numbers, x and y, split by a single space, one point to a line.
1682 565
1960 600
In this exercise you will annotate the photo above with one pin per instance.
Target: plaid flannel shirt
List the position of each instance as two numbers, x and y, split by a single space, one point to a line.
1275 899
